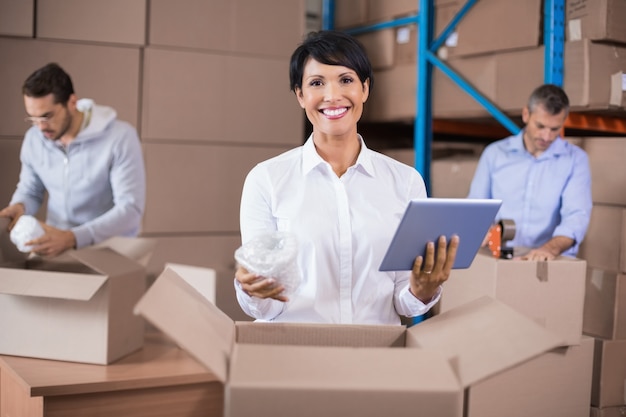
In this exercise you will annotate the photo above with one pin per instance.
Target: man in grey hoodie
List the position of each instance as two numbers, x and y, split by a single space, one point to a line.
89 163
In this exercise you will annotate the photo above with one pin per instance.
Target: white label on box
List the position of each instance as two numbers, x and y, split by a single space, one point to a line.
623 82
453 39
403 35
575 30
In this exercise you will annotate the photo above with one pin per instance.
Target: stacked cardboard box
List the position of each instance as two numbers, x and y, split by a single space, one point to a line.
204 82
604 248
77 307
480 359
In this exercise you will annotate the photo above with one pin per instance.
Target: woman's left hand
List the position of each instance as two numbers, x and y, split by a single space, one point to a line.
432 270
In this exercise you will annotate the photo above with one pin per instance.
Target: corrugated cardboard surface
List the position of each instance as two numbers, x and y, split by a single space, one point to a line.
107 74
324 381
608 171
598 20
205 97
555 384
588 70
229 25
197 188
16 17
609 374
514 282
112 21
498 25
83 315
604 246
605 304
487 335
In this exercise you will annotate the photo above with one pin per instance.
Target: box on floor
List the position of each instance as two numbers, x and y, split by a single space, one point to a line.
605 309
349 369
78 307
609 374
608 412
550 293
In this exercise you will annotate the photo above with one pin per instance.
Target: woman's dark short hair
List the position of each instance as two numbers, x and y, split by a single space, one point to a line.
48 79
331 48
551 97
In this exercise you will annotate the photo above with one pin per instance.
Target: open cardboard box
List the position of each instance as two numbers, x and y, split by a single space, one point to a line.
332 369
78 307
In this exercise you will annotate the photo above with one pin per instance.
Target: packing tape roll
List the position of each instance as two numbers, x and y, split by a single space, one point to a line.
508 229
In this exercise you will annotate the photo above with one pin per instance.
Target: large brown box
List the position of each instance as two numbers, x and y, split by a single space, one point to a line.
79 311
555 384
515 282
604 246
407 369
598 20
17 17
111 21
230 26
609 374
605 304
200 191
199 96
107 74
499 25
608 171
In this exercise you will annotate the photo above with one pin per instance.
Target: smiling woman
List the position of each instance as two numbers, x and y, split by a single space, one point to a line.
342 202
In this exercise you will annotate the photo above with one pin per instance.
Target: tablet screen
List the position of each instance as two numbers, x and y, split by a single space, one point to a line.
426 219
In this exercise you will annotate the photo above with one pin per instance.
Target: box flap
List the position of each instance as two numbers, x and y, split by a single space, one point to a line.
201 279
483 337
105 261
51 284
195 324
139 249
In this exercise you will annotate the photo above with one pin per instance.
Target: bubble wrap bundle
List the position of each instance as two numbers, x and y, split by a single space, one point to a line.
26 229
272 255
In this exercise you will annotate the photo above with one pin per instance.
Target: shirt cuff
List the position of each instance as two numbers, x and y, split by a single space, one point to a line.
416 306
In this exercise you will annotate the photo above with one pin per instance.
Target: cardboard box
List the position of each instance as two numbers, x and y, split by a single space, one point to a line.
609 374
608 173
589 67
515 282
350 13
556 384
219 171
113 21
499 25
16 17
79 311
240 26
9 167
598 20
349 369
604 246
605 304
179 88
107 74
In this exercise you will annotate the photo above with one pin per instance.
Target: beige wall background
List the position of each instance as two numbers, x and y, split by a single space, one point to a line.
205 82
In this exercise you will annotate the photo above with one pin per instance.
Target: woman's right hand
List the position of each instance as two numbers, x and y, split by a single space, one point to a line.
258 286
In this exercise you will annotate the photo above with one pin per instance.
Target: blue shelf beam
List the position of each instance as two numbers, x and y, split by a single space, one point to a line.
554 41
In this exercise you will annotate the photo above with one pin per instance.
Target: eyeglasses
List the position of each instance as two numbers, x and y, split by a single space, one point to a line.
34 120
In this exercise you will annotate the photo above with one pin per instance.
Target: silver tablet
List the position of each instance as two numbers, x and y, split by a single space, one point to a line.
426 219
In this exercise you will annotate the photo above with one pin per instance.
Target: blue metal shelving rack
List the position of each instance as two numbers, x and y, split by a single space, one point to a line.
554 36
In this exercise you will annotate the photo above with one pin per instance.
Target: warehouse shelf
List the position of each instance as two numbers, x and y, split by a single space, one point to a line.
425 125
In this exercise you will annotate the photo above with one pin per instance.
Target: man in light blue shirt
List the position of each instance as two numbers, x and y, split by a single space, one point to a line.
543 180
